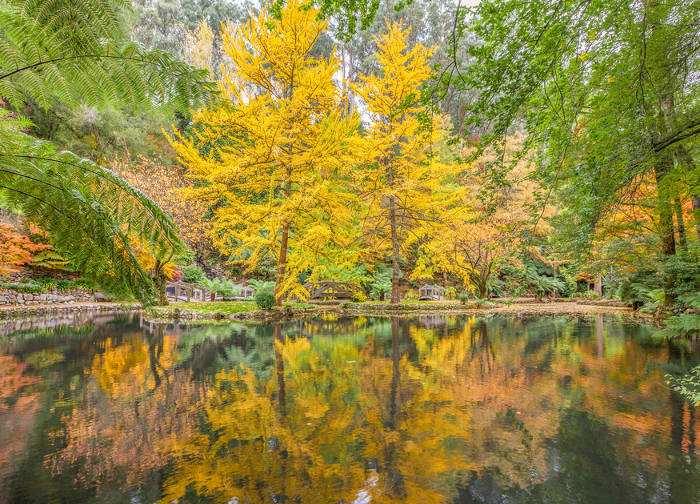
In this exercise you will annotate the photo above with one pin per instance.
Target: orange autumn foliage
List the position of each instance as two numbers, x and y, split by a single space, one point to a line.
16 249
164 184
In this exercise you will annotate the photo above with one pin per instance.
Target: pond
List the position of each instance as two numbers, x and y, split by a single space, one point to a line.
491 409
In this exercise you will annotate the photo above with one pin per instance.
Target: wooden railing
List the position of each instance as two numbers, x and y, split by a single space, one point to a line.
328 289
187 292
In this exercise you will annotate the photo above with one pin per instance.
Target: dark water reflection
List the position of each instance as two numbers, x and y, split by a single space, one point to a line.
496 409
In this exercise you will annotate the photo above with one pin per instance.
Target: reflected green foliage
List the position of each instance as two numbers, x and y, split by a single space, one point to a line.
688 385
432 409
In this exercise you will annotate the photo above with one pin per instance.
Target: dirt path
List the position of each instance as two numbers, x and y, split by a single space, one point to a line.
557 307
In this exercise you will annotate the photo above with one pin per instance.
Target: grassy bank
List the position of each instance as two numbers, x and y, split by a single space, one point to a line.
234 310
247 310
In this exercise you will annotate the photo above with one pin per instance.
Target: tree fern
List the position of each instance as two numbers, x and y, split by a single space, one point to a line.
74 51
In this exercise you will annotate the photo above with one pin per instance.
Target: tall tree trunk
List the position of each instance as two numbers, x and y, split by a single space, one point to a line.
665 228
396 267
696 215
686 160
159 282
598 286
680 224
282 265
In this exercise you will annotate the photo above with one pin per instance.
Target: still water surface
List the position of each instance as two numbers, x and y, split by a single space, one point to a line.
499 409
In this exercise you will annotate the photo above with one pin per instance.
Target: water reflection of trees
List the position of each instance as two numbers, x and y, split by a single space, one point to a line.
382 410
345 422
132 402
18 408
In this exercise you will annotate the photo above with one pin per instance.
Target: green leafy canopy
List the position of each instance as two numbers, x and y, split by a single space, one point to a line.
75 52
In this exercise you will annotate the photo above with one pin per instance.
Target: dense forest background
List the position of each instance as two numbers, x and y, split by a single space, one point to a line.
572 129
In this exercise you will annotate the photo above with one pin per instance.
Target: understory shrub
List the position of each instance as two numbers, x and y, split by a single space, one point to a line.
44 285
359 297
590 294
24 288
265 300
227 288
411 295
380 285
262 285
193 274
527 279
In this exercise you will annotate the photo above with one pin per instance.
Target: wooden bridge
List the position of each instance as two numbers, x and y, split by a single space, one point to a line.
183 291
329 290
431 293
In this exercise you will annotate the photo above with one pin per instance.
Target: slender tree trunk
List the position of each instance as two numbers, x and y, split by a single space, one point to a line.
396 267
680 224
159 282
665 227
282 265
598 286
696 215
685 159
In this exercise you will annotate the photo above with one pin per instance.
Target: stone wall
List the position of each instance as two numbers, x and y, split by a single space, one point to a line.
43 319
11 297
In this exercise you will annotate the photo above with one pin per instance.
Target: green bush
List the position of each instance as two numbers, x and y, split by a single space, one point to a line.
411 295
590 294
358 297
262 285
193 274
463 297
380 284
32 288
48 283
265 300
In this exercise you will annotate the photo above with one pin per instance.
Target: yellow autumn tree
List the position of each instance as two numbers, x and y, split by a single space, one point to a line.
273 154
399 179
198 47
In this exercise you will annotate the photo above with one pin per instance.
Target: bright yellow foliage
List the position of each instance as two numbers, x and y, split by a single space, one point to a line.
280 149
198 47
400 180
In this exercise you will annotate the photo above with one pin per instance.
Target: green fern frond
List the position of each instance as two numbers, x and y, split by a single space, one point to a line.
73 51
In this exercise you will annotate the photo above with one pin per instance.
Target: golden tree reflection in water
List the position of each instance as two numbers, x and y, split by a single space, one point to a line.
338 421
387 411
132 406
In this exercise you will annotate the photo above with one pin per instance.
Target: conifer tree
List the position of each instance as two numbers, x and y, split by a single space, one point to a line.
400 178
278 149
